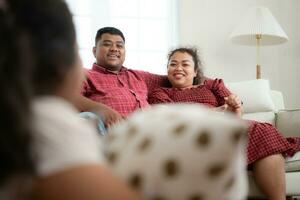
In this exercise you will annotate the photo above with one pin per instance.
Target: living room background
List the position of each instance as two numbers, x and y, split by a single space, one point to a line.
149 26
208 24
152 27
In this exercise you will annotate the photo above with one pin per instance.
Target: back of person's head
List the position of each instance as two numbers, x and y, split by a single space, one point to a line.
49 27
109 30
37 51
193 52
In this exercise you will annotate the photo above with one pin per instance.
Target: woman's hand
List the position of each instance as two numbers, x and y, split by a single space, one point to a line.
234 104
222 108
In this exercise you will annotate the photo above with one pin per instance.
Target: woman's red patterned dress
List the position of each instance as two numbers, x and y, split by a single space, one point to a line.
264 138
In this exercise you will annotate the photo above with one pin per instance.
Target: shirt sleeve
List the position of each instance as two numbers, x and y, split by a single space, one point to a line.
218 88
84 89
158 96
154 81
85 85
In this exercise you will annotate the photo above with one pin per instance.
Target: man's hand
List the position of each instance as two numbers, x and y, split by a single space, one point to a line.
110 116
234 104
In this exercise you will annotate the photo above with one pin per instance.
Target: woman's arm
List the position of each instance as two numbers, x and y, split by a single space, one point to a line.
86 182
226 100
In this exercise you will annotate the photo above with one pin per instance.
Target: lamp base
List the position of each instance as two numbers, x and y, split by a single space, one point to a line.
258 72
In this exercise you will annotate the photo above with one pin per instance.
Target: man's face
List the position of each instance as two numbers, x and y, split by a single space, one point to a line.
110 52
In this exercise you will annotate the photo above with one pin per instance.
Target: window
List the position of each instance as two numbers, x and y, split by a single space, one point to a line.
149 26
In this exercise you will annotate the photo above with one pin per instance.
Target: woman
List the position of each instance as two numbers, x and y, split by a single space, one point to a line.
47 151
266 147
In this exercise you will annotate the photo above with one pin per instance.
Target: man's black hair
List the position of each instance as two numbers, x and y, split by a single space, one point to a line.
110 30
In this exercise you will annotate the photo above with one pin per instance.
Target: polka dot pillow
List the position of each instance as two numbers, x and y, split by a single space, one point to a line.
180 152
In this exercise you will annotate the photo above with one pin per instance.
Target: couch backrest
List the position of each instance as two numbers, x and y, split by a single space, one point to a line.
257 96
260 102
277 98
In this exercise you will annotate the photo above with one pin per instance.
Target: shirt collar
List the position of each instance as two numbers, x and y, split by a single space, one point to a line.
102 69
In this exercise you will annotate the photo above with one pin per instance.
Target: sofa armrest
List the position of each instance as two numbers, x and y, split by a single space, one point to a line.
288 122
268 117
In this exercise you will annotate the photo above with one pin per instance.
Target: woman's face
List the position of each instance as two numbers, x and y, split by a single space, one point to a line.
181 70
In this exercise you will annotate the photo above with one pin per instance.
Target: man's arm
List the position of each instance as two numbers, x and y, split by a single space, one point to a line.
153 81
110 115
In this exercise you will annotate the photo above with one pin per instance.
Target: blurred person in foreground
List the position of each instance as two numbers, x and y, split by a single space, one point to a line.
47 151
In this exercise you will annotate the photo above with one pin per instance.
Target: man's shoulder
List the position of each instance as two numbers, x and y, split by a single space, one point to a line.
137 71
91 72
141 74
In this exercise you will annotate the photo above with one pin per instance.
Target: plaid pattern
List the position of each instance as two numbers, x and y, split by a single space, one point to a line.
264 139
125 92
211 94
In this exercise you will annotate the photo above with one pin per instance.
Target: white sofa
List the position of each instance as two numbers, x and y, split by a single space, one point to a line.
266 105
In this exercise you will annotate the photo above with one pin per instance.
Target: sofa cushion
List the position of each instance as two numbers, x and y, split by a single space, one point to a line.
180 151
288 122
293 164
255 95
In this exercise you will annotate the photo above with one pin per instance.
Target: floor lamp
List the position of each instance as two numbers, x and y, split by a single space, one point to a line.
258 28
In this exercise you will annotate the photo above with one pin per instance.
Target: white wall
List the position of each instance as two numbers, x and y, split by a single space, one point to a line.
137 21
207 24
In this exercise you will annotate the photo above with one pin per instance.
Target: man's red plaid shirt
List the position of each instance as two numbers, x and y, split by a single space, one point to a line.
125 91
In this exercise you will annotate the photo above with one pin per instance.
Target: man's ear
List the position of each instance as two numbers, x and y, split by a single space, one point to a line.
94 51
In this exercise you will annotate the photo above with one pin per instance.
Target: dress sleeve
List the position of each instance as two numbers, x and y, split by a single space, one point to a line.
218 88
158 96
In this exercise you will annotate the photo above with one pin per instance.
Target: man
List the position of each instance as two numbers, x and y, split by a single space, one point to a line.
109 82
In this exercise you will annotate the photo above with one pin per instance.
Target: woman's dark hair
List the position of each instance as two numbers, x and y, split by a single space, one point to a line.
37 51
50 27
15 137
198 64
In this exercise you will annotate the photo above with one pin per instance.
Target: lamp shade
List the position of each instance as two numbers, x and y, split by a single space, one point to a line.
258 21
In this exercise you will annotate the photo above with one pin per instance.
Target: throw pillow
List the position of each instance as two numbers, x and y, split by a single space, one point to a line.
180 151
255 95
